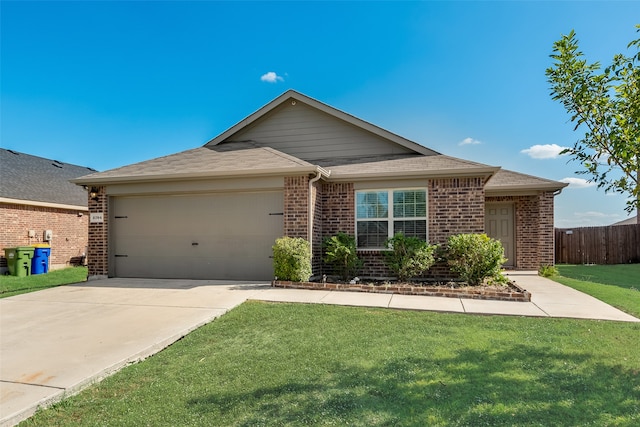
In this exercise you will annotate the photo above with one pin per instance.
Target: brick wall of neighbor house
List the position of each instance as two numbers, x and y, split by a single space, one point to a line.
69 227
98 249
533 227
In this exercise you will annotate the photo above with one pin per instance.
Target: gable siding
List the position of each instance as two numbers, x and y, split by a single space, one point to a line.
309 134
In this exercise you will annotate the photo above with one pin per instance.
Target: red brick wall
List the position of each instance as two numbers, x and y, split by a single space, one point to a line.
533 227
317 200
69 240
98 253
338 208
456 205
295 206
546 231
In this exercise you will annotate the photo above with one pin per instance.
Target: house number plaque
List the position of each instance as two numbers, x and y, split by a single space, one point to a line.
96 217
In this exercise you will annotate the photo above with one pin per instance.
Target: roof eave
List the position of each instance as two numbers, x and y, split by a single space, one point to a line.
201 175
440 173
43 204
523 190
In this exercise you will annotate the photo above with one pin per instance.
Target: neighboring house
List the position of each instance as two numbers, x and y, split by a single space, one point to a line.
628 221
35 197
298 167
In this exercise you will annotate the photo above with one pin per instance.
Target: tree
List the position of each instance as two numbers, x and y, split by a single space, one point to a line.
607 106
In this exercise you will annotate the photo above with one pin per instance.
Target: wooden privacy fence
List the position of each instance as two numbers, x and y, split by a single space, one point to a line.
615 244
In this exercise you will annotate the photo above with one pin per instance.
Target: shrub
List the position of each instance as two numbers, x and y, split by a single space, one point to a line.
547 271
341 253
475 257
292 259
409 256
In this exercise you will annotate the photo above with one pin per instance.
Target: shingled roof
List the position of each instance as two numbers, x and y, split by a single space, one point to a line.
506 180
36 179
205 162
274 150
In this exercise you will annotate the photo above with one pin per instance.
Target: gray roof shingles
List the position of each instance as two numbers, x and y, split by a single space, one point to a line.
32 178
204 160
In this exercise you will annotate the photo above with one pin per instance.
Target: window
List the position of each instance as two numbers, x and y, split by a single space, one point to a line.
382 213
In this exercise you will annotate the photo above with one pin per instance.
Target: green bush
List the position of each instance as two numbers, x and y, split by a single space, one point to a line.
409 256
547 271
341 253
475 257
292 259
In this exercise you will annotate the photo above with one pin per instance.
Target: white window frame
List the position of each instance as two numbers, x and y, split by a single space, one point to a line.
390 213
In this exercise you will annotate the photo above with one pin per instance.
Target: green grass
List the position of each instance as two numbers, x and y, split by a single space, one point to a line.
266 364
618 285
622 275
12 285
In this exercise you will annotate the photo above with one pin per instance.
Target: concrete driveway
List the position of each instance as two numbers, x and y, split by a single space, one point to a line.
55 342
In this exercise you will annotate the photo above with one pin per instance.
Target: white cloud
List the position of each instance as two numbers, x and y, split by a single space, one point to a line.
469 141
271 77
544 151
577 182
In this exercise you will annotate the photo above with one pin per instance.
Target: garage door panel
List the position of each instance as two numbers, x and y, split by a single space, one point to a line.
220 236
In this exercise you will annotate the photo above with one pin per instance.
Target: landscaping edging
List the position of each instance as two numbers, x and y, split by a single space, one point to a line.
512 291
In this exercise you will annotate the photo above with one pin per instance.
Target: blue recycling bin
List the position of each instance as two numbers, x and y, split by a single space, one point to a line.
40 260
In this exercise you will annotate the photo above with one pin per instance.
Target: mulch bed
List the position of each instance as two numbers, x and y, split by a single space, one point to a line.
507 292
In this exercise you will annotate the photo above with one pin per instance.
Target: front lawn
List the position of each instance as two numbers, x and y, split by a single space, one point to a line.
266 364
12 285
618 285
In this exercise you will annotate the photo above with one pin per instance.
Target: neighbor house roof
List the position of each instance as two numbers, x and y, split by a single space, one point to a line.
27 178
629 221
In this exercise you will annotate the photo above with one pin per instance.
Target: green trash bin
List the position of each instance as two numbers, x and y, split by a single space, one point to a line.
19 260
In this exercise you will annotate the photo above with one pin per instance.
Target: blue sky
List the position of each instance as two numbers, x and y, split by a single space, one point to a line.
105 84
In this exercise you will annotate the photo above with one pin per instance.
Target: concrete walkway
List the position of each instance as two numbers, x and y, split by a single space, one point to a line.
55 342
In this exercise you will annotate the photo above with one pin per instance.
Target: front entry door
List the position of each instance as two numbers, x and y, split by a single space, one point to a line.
498 225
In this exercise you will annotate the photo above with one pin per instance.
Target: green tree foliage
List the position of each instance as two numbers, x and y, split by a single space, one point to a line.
475 257
606 105
409 256
292 259
341 253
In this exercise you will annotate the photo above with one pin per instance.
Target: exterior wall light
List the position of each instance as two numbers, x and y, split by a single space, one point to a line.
93 194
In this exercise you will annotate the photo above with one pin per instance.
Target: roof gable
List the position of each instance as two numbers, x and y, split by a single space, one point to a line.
310 130
36 179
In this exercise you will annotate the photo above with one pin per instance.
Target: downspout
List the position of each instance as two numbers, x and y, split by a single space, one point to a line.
319 174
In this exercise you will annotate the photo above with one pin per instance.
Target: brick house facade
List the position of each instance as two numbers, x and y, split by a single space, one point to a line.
36 196
321 162
69 228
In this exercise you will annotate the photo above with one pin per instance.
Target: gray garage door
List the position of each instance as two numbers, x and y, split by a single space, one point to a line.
214 236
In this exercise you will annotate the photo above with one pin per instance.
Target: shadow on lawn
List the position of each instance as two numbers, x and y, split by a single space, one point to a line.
519 386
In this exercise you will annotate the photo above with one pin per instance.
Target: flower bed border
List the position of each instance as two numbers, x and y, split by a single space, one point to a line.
512 291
